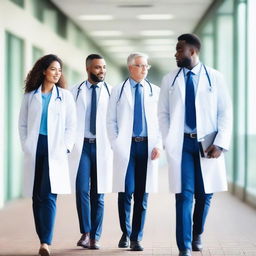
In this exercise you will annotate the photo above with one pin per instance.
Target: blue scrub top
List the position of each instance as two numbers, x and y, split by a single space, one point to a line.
45 103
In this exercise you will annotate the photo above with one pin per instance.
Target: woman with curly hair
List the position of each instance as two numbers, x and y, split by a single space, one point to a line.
47 127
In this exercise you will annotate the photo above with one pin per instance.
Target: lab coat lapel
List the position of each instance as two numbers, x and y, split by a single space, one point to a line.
103 97
181 83
203 81
38 94
81 99
127 92
54 96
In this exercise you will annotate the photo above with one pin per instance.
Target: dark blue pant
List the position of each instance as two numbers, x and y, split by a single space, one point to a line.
192 186
135 182
44 202
90 204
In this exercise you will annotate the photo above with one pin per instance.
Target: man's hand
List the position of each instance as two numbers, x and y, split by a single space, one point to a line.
213 151
155 153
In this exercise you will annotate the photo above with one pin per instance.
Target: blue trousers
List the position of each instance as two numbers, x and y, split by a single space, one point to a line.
135 182
192 187
90 204
44 202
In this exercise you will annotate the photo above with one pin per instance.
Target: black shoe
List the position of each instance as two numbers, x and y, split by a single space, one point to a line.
186 252
123 242
197 243
135 246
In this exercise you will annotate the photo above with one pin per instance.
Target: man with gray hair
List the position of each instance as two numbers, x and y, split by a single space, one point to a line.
132 127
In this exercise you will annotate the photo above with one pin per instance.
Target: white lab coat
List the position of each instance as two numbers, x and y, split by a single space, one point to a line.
213 113
104 154
61 129
120 129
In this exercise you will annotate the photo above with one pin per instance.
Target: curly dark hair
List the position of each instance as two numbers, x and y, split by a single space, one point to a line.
36 77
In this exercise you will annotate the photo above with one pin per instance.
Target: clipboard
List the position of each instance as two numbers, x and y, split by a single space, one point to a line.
206 142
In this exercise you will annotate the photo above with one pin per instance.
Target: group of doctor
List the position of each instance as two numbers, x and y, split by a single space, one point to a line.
97 139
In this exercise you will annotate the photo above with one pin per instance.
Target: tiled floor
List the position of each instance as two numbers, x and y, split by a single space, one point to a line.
230 228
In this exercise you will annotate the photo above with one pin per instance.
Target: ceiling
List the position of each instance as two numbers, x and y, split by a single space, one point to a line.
119 29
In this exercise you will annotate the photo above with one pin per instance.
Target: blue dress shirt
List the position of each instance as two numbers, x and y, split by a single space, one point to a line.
196 70
144 132
87 133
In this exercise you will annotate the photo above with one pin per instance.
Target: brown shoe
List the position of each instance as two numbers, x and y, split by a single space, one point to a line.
44 250
94 244
84 241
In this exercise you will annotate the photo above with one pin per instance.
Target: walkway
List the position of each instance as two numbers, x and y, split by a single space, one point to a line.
230 230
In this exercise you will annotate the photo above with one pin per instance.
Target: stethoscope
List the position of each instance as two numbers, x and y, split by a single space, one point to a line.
58 94
207 75
58 98
79 88
122 88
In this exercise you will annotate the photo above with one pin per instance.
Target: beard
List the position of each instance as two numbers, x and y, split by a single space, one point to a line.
95 78
184 63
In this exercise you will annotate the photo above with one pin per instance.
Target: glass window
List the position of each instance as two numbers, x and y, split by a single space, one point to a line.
38 9
251 102
18 2
207 52
49 14
76 36
36 54
207 49
225 44
224 63
226 7
14 78
240 106
62 25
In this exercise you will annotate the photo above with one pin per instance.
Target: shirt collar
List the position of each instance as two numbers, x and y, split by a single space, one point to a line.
134 83
196 69
88 84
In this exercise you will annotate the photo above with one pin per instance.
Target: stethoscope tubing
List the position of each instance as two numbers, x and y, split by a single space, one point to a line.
206 72
80 85
122 88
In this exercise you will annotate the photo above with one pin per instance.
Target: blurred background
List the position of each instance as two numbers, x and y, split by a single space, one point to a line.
72 29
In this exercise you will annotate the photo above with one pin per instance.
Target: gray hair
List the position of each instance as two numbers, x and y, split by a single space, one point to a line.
133 56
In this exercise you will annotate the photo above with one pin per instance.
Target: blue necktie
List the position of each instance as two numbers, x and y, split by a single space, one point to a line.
93 110
137 120
190 102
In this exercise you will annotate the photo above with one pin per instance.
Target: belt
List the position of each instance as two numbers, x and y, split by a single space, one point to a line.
190 135
90 140
139 139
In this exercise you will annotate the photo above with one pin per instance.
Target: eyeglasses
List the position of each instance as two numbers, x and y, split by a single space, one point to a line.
142 66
